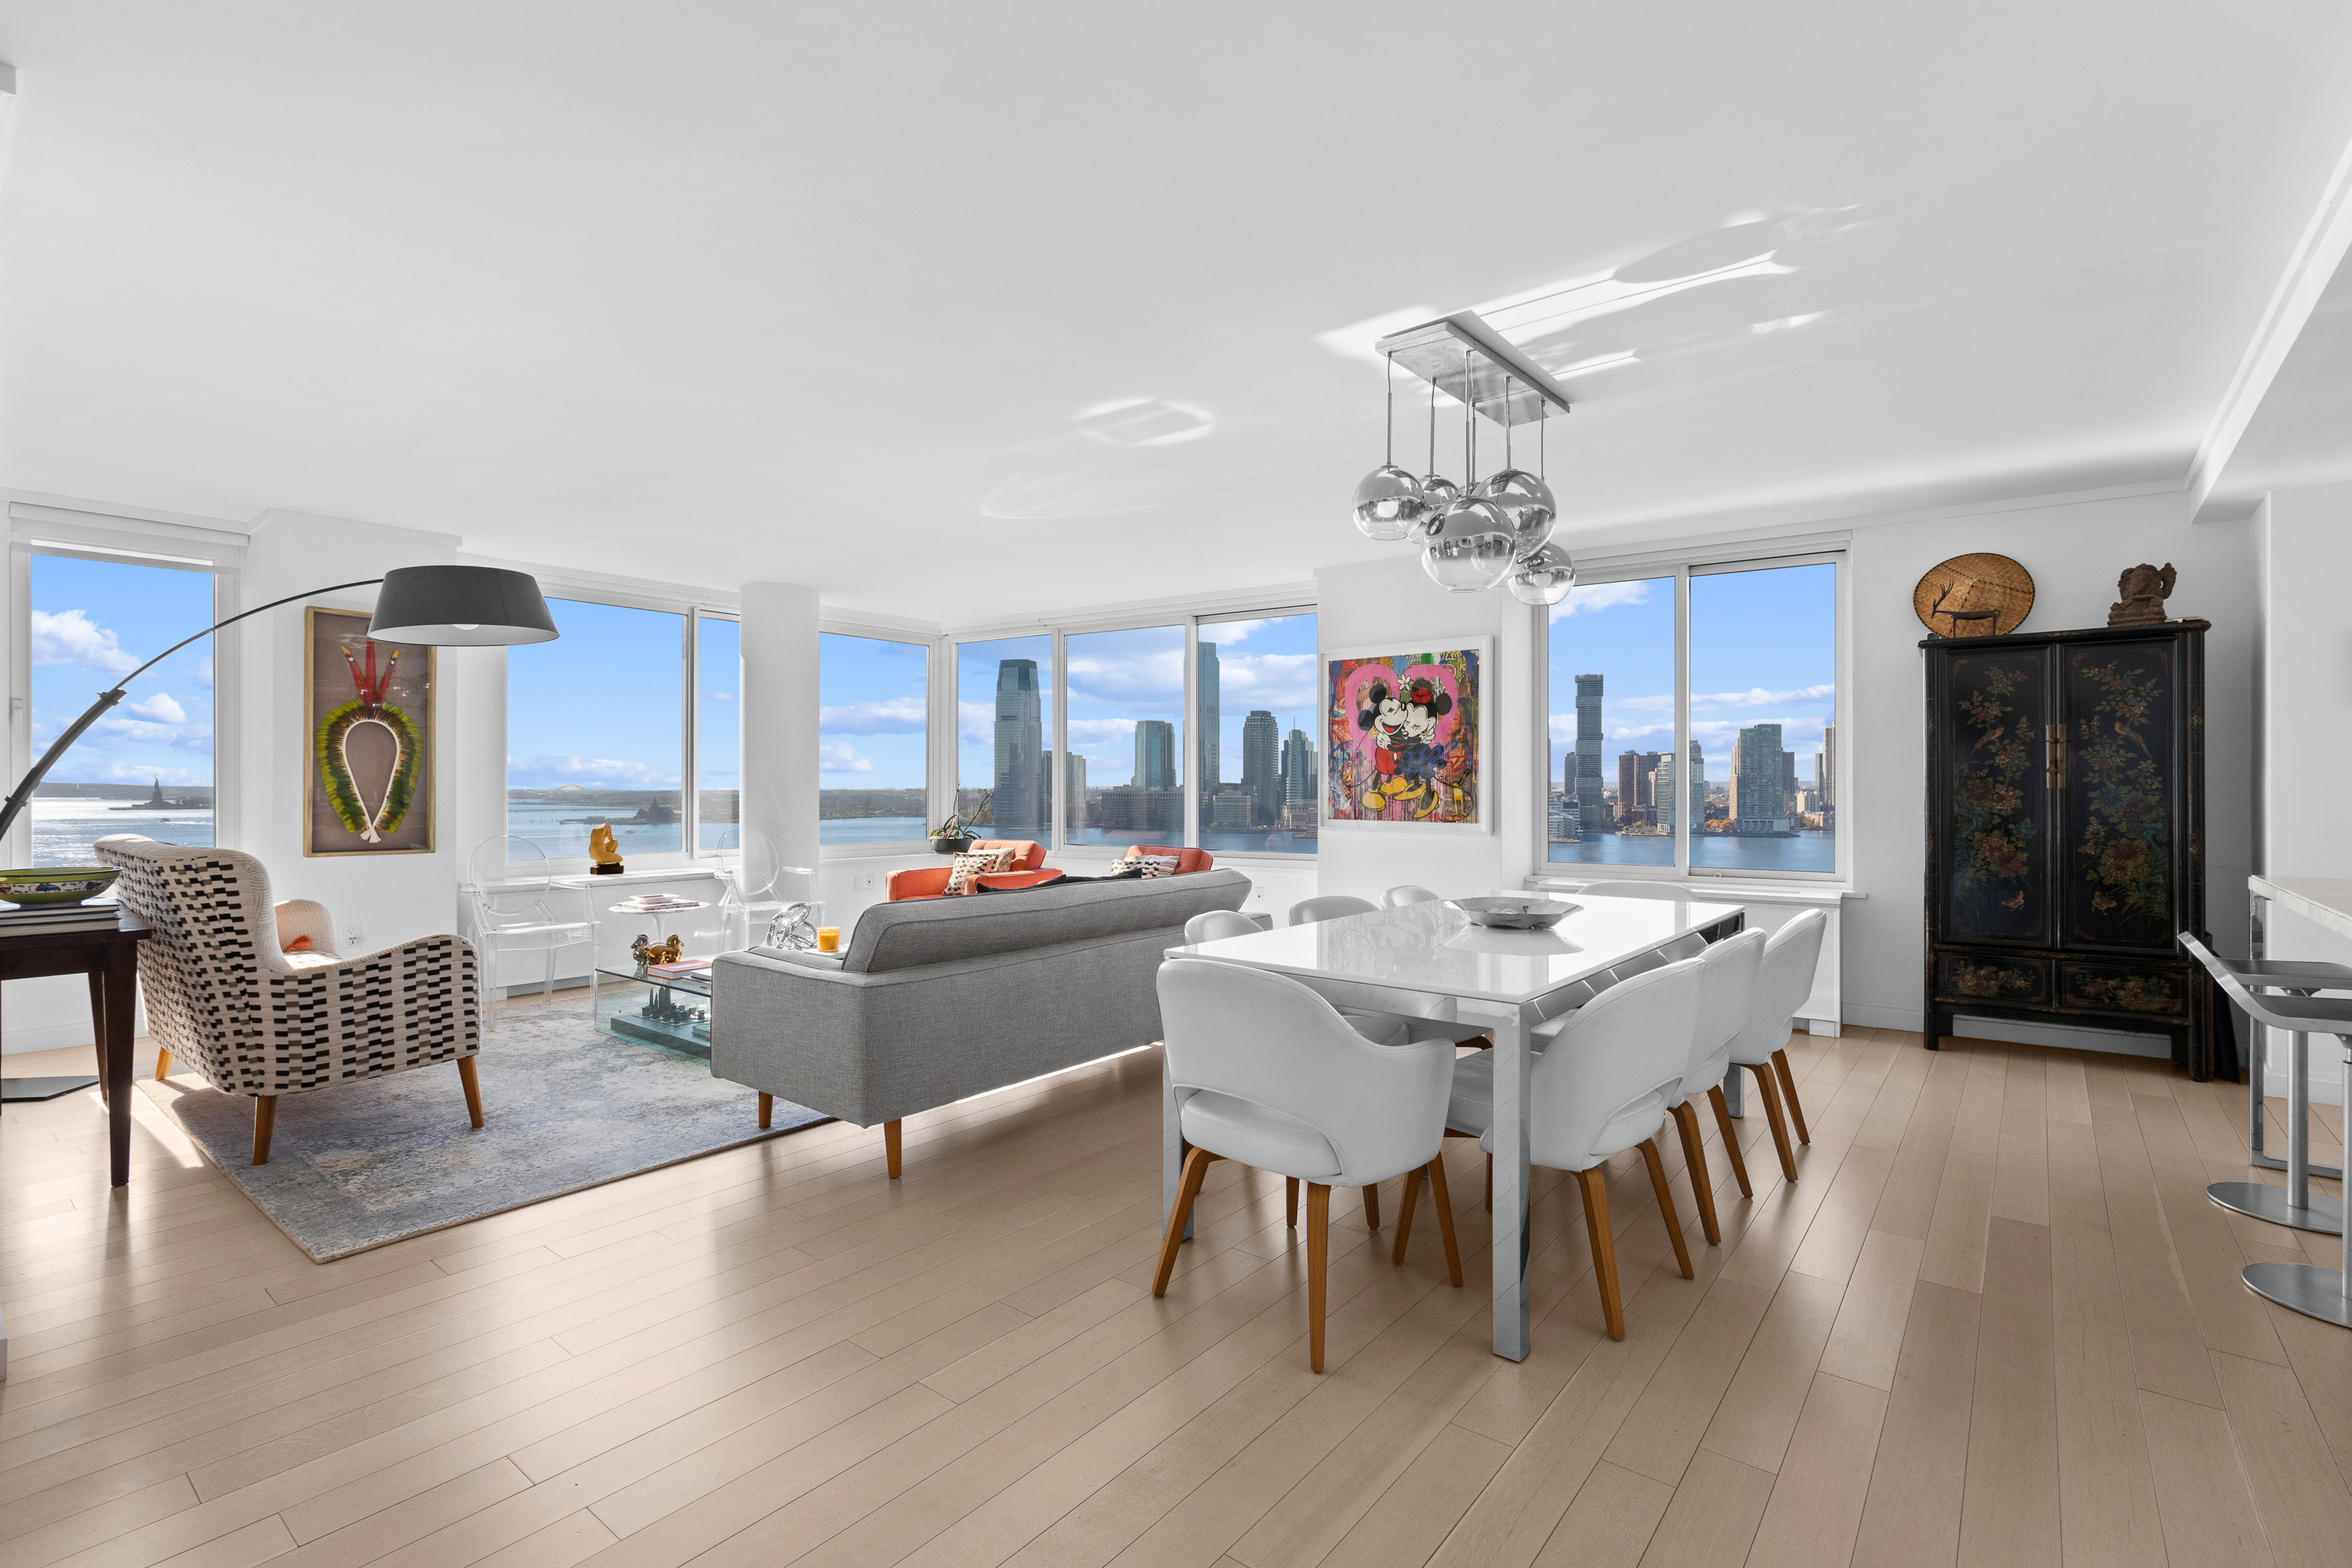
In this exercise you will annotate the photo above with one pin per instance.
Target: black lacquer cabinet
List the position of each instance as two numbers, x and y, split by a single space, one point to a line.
2066 832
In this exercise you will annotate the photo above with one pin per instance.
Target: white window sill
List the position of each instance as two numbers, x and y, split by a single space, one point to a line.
1762 891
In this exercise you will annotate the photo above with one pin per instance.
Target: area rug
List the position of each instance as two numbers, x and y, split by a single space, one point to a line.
564 1108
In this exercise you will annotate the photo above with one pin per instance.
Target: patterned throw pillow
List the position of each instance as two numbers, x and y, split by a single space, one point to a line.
977 862
1145 865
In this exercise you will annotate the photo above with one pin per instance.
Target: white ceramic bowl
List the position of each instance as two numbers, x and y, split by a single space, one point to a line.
1517 914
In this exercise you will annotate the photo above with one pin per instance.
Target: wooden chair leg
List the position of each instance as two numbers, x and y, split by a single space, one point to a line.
1594 1185
1444 1205
1318 1259
1789 1093
767 1109
265 1121
1196 1165
1694 1157
1405 1214
1290 1202
162 1063
1373 1206
1666 1204
890 1146
473 1088
1490 1183
1730 1139
1768 1087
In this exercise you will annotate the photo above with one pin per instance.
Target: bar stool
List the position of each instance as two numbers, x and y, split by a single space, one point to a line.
2294 1204
2322 1293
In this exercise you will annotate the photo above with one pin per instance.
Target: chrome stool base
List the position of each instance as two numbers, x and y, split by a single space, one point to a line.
2300 1288
2324 1216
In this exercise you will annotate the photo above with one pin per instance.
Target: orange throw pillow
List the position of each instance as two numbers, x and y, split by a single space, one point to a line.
299 945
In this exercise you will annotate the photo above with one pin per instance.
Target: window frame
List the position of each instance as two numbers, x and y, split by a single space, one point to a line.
1192 616
1680 566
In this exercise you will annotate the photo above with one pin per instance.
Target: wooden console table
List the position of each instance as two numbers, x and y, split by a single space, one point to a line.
110 959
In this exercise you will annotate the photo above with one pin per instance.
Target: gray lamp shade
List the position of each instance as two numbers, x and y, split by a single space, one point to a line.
460 607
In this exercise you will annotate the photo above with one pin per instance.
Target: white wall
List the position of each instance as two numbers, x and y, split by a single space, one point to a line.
2303 547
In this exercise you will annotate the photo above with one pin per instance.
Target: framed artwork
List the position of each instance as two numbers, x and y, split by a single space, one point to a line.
1406 736
368 709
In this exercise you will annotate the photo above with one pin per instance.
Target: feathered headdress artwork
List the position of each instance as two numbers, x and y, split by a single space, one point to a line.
369 684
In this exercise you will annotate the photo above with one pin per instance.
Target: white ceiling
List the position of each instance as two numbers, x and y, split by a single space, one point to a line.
1042 307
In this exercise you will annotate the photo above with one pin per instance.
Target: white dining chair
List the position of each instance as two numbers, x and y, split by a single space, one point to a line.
1267 1074
1604 1083
1782 983
1726 999
1330 907
1406 893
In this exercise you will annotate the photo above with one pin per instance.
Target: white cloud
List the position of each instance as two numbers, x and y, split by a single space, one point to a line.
1601 596
1757 697
202 675
720 696
1152 675
1101 731
69 636
527 771
841 757
1277 681
140 773
1229 634
898 716
159 707
196 737
976 723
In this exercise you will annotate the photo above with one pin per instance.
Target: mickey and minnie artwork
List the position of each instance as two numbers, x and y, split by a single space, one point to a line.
1406 736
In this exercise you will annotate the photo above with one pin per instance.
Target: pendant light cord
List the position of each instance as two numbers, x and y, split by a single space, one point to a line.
1390 460
1469 432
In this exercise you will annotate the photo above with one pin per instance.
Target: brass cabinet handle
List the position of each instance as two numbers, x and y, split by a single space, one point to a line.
2054 766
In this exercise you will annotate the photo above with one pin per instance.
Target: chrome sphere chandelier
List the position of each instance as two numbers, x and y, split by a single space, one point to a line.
1481 533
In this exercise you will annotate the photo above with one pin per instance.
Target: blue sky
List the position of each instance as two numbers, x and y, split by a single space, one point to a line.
600 706
873 697
94 622
1763 650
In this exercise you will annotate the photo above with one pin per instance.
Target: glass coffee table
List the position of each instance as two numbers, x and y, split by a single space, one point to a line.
668 1011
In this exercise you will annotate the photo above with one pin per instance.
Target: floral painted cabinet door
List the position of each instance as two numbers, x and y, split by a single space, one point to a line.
2120 869
1996 841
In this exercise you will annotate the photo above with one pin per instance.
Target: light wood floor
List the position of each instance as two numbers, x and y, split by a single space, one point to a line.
1997 1321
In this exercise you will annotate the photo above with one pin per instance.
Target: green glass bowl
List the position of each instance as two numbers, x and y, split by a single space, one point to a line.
49 886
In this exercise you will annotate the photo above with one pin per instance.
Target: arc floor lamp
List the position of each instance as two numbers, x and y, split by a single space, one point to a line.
445 606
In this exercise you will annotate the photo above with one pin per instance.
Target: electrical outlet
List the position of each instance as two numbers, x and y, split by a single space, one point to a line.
354 935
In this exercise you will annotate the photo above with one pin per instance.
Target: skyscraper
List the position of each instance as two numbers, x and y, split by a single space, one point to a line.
1155 753
1788 783
1757 771
1073 802
1637 778
1592 810
1206 720
1297 769
1262 767
1021 802
1825 766
1672 797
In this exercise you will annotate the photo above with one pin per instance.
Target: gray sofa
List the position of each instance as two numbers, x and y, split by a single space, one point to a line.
933 1000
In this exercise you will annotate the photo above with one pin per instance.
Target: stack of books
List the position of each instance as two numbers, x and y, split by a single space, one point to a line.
36 919
684 969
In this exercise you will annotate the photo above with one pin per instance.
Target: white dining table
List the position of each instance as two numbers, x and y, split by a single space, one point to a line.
1499 980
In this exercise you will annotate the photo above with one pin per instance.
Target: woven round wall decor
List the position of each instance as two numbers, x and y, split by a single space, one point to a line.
1973 596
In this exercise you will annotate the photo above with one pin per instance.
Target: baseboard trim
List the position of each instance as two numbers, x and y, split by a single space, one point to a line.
2112 1041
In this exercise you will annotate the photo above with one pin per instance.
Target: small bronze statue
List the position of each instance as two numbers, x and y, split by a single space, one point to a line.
604 852
2144 591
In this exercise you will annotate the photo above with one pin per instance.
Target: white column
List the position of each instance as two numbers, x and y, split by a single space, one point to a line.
780 724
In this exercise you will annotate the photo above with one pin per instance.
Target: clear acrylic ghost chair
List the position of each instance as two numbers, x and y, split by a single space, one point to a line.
1785 980
1726 999
517 906
1406 893
1265 1073
755 887
1612 1070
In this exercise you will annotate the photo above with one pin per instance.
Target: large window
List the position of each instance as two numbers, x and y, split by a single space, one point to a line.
1711 749
1005 728
596 731
872 755
1261 749
1614 794
1763 663
1123 780
147 766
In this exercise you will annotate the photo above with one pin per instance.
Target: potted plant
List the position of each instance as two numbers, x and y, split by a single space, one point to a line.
951 836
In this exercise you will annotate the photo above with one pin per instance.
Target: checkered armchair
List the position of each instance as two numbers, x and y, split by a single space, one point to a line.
223 994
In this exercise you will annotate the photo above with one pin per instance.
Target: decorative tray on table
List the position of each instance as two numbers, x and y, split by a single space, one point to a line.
1517 914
